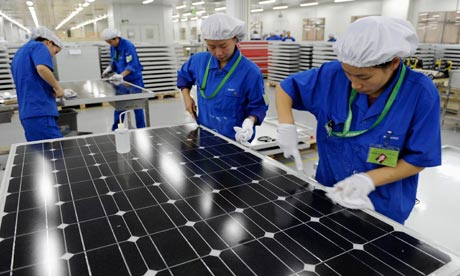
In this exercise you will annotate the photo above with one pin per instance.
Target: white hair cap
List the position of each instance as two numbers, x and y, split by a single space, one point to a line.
374 40
220 26
45 33
110 33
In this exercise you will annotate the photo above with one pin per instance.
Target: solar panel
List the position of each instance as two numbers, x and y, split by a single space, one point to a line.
186 202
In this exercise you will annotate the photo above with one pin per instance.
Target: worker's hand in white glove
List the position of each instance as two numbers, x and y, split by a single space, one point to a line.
107 71
245 132
288 141
69 93
353 191
116 78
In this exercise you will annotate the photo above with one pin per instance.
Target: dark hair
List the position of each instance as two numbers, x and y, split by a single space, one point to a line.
384 65
41 39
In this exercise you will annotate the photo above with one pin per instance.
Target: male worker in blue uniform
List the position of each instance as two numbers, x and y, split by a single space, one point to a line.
368 105
125 63
36 86
230 87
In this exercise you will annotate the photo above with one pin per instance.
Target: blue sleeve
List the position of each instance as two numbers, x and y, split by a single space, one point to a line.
312 90
257 100
186 74
112 56
300 87
41 56
423 145
133 65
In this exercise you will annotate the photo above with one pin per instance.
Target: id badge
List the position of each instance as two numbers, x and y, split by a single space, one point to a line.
385 156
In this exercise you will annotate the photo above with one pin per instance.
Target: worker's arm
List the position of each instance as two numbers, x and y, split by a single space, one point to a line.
47 75
125 73
284 106
189 102
385 175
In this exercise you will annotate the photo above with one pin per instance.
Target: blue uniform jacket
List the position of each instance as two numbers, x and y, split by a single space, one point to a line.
124 57
35 96
414 119
241 96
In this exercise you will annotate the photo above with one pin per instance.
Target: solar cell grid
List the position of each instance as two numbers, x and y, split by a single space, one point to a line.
184 202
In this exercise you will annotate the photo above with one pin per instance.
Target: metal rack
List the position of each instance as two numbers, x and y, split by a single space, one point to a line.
322 53
6 79
283 60
160 67
306 56
257 51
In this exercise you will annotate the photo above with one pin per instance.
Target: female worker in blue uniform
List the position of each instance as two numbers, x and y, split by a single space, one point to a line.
378 121
36 86
230 88
125 63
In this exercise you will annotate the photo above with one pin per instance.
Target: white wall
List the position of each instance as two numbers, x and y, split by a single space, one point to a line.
338 16
396 8
188 25
137 17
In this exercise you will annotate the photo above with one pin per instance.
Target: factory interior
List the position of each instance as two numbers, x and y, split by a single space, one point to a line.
180 198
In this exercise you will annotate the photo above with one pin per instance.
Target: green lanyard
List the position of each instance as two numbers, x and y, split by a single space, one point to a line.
205 79
346 129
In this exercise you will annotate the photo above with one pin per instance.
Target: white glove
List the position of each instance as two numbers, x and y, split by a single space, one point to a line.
116 78
288 141
69 93
245 132
353 191
107 71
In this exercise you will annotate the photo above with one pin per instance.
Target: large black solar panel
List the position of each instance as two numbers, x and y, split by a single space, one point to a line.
186 202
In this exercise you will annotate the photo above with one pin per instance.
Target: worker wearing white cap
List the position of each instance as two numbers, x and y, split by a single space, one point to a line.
126 65
230 88
378 121
36 86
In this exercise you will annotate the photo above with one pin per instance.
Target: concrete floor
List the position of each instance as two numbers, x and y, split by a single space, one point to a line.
435 217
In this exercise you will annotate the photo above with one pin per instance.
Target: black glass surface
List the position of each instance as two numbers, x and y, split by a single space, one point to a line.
185 202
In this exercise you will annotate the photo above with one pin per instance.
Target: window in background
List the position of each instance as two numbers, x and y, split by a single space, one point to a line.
439 27
313 29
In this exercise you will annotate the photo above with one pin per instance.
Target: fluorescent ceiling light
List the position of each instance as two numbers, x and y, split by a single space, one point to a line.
14 21
206 16
175 16
176 20
266 2
197 3
90 21
29 3
220 9
181 7
147 1
309 4
423 14
193 18
257 10
34 16
280 7
201 12
338 1
91 1
187 14
184 19
86 4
